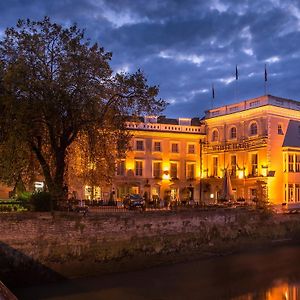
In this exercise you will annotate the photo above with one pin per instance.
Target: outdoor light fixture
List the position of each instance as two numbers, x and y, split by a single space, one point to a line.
264 170
212 196
166 175
241 174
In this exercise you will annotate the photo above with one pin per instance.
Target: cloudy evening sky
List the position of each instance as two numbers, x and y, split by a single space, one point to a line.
186 45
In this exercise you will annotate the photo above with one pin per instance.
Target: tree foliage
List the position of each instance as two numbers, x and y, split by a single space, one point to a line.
58 93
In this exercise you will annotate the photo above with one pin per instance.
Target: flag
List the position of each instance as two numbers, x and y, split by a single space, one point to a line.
266 74
213 91
236 73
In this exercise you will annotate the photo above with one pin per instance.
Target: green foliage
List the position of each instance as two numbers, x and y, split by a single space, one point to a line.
56 90
42 201
24 200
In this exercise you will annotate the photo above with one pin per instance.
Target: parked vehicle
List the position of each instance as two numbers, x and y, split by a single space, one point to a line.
134 201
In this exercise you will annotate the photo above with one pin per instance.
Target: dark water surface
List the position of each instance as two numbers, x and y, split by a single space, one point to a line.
267 274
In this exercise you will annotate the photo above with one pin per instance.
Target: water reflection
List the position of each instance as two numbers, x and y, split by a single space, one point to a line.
280 291
270 274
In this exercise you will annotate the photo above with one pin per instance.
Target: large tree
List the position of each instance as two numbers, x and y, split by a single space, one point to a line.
58 92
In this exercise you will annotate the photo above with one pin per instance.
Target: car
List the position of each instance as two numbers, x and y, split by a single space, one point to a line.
134 201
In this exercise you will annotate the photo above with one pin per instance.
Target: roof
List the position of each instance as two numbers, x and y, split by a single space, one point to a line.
292 136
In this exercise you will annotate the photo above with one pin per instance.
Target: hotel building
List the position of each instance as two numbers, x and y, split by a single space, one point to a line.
256 142
163 160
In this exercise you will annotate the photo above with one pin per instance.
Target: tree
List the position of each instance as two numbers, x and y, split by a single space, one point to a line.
57 91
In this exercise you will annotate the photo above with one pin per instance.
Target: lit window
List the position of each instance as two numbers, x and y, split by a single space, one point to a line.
253 129
139 145
215 135
279 129
174 148
233 132
290 193
191 148
157 170
254 165
157 146
138 168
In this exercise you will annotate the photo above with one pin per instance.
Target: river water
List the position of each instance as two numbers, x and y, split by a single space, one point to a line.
272 274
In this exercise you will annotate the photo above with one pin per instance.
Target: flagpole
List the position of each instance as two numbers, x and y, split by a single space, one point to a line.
212 95
266 79
236 82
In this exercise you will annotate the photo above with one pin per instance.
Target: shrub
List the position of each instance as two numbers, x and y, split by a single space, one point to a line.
24 199
41 201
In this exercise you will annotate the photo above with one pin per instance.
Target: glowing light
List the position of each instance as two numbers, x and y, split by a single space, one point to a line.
264 170
241 174
212 196
166 175
129 165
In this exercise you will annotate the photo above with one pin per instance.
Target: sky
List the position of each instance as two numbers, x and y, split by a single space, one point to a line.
185 46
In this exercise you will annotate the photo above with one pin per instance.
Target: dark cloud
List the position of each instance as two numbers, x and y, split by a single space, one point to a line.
184 46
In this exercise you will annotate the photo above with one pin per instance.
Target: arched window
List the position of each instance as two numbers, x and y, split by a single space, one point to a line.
233 132
253 128
215 135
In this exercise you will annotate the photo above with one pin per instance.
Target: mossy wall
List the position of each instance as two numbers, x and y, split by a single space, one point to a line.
36 247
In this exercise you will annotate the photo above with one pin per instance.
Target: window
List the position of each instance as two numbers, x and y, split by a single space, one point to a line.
139 145
138 168
297 166
233 165
215 166
215 135
253 129
191 148
297 193
279 129
173 170
174 148
233 132
290 193
254 165
190 171
120 168
157 147
291 162
157 170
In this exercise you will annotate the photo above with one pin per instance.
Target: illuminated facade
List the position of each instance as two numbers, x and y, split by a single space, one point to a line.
258 142
163 161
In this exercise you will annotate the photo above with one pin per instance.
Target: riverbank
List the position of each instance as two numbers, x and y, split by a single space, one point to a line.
40 247
261 274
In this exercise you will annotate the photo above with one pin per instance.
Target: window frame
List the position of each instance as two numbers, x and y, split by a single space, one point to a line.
136 145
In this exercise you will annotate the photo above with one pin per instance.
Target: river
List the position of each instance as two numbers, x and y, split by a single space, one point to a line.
261 275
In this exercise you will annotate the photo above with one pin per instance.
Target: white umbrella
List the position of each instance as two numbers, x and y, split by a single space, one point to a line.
227 193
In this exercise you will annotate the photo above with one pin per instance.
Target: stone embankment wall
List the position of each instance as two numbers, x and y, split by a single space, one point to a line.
42 247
